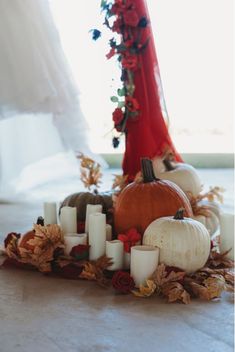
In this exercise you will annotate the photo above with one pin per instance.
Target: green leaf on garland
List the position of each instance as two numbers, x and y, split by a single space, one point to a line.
121 92
121 104
114 99
121 47
103 3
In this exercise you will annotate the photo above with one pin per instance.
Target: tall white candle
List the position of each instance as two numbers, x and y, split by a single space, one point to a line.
115 250
91 209
108 232
97 235
227 234
73 239
50 213
68 220
144 261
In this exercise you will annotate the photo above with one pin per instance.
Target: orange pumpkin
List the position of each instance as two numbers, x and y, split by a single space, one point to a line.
140 203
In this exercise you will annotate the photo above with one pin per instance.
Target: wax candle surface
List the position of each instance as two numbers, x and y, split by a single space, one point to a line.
144 261
97 235
115 250
73 239
227 234
108 232
50 213
68 220
91 209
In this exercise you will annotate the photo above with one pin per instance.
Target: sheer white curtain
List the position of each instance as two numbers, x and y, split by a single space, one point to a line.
40 115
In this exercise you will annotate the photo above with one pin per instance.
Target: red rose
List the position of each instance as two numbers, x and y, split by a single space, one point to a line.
123 282
131 18
117 26
117 116
80 252
130 62
132 104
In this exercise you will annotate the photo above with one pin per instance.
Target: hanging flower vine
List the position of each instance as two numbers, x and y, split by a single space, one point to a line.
122 18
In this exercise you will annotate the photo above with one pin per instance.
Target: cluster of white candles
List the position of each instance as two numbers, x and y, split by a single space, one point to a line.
142 261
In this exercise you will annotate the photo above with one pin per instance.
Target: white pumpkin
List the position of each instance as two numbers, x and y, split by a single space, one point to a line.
184 175
212 206
211 222
183 242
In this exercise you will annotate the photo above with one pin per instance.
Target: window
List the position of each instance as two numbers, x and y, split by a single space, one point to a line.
193 40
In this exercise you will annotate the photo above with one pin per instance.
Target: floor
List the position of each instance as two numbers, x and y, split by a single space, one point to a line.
48 314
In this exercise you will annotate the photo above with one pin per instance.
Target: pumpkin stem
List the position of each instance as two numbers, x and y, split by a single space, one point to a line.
40 221
168 165
147 171
179 214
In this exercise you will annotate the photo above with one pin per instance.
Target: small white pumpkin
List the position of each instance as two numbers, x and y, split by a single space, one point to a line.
212 206
183 242
211 222
184 175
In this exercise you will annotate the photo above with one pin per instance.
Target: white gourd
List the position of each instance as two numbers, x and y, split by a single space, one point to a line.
211 222
184 175
183 243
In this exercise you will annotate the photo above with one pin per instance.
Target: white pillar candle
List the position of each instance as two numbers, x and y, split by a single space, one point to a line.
73 239
97 235
68 220
50 213
227 234
144 261
91 209
108 232
115 250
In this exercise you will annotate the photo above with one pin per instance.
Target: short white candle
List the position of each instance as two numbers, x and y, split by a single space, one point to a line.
108 232
50 213
144 261
227 234
73 239
68 220
91 209
97 235
115 250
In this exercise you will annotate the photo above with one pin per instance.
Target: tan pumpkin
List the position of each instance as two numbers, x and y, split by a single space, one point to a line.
210 221
140 203
183 242
184 175
80 201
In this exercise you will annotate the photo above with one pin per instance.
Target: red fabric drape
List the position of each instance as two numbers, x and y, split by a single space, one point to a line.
147 136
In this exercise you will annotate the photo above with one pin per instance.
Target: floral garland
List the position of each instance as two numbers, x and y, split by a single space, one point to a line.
122 18
42 249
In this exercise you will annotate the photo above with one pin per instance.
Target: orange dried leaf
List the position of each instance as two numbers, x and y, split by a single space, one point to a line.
146 291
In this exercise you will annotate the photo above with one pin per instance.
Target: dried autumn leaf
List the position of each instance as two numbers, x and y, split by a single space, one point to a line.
120 181
215 286
174 291
199 290
219 260
146 291
162 276
90 171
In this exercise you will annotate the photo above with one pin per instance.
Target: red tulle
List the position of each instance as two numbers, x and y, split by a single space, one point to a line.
147 135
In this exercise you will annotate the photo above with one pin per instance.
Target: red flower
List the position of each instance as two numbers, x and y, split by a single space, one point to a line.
130 62
81 227
132 104
129 239
131 18
117 116
119 6
123 282
111 53
80 252
117 26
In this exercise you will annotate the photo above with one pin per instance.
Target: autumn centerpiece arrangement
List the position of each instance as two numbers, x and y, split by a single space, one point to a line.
152 244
